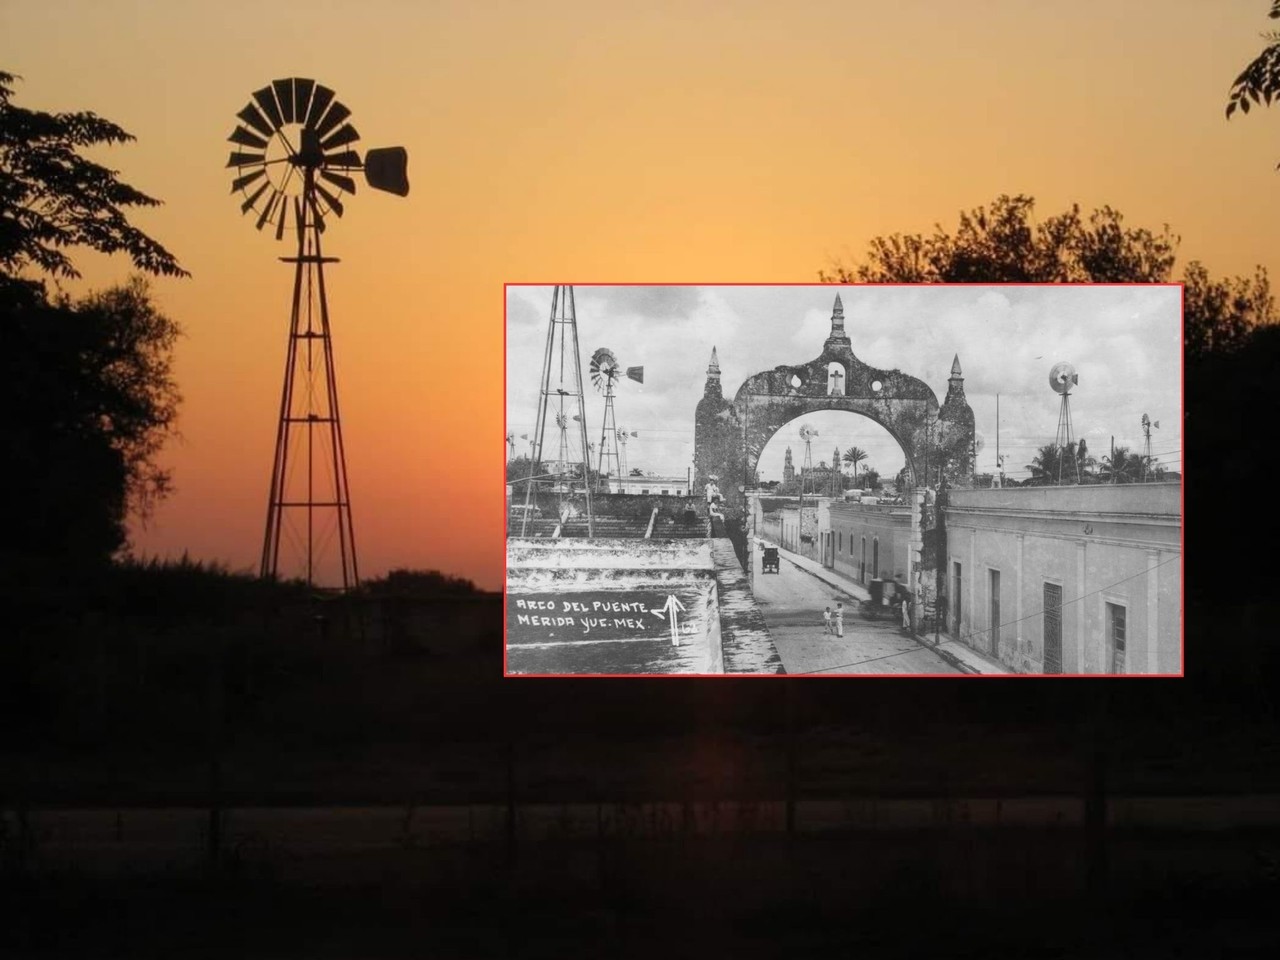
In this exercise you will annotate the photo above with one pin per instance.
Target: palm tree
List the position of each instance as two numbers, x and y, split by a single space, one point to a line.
1052 466
1044 466
1260 80
1123 466
854 456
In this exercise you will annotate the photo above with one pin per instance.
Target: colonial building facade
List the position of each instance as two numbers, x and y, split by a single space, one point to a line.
1078 579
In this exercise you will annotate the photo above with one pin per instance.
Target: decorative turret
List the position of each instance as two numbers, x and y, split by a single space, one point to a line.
788 468
712 388
838 335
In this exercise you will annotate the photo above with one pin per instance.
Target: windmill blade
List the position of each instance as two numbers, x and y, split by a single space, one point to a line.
636 374
320 101
239 183
267 101
246 159
334 203
266 208
284 97
253 198
344 135
284 215
301 97
339 181
254 118
246 139
335 115
349 160
386 168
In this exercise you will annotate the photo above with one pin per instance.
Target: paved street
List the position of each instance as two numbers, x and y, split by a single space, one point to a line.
792 602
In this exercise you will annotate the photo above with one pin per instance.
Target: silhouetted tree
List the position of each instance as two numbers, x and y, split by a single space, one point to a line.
1260 80
87 382
1218 315
1005 244
52 198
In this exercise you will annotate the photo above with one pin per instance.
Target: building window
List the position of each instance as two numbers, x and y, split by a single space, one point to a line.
645 490
1115 637
664 492
842 541
1052 628
875 559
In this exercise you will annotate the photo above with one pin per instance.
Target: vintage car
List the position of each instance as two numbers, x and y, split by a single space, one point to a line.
769 560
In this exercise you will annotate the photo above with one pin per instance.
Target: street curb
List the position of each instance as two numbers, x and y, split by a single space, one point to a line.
950 658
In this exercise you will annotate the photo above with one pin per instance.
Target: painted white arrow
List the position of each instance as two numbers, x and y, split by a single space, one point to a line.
669 608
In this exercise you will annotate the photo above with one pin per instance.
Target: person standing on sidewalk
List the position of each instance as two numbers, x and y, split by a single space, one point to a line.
839 619
826 622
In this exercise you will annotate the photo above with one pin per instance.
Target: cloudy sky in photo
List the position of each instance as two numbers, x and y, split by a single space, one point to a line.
1125 343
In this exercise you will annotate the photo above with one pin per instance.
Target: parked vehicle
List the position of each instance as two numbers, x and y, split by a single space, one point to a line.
769 560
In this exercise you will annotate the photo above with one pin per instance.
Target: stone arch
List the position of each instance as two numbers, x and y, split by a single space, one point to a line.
730 435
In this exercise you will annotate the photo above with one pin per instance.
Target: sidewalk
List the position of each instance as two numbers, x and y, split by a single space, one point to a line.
959 655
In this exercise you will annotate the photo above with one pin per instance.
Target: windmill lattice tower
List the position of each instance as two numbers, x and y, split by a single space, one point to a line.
807 433
623 436
561 384
1062 377
294 162
605 373
1147 424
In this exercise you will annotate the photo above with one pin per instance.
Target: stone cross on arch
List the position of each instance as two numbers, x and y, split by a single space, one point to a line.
835 377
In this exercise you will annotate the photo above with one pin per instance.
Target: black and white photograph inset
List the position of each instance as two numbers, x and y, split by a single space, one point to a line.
927 480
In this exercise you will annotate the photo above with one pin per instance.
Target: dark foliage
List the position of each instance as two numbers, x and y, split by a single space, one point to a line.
1006 244
1259 82
94 383
89 381
52 198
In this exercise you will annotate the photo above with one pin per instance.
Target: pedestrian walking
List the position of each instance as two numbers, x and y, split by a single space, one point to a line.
839 619
826 621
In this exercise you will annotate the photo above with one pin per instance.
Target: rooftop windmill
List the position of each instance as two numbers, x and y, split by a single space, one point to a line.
1062 377
605 373
294 162
1147 424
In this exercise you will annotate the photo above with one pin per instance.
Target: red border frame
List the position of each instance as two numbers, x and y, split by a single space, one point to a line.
1182 495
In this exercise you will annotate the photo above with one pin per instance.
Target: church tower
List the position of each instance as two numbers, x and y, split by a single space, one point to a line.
788 468
956 425
713 431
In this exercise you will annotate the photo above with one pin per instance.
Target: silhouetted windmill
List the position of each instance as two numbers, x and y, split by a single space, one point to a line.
295 161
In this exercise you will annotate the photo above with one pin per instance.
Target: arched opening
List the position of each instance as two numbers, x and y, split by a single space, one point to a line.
848 451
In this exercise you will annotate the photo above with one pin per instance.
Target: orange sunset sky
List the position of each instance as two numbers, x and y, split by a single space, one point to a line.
697 141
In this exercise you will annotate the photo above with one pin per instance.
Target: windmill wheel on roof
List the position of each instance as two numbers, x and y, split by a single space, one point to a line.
297 154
